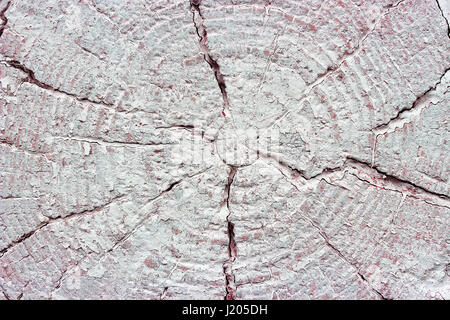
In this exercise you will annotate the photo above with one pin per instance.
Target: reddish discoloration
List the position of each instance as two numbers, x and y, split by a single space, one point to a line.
149 263
332 113
312 27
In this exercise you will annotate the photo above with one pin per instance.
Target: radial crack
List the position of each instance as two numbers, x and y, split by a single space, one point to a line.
354 52
23 238
348 54
139 224
198 20
396 180
339 253
163 294
280 164
113 143
51 220
7 297
232 250
30 78
337 173
147 216
445 18
4 18
419 104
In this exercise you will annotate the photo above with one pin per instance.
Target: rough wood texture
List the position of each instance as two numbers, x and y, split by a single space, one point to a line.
130 157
